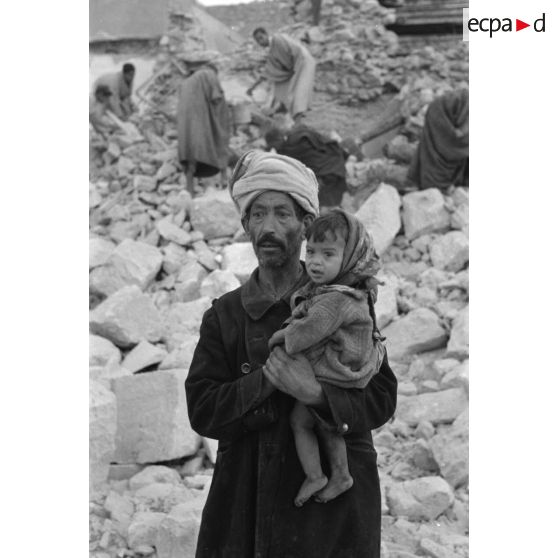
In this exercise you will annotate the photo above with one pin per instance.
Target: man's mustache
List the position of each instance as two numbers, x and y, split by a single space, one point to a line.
270 239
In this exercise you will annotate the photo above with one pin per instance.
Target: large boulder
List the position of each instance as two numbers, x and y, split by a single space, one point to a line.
458 344
386 305
422 499
437 408
214 214
136 262
142 356
418 331
178 532
450 449
169 231
126 318
153 420
175 257
424 212
188 281
103 352
184 319
181 356
218 283
380 215
102 431
450 251
100 251
240 259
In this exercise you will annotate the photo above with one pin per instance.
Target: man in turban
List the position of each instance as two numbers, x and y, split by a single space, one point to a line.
249 510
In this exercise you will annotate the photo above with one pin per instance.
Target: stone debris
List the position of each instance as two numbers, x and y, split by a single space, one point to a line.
126 318
181 357
184 319
380 215
450 251
143 355
162 496
153 421
424 212
143 529
219 282
438 407
418 331
178 532
240 259
173 233
103 352
102 431
152 474
214 214
420 499
458 344
386 305
100 251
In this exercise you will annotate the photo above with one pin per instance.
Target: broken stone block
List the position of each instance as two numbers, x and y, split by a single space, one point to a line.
181 357
136 262
152 474
240 259
400 149
206 208
435 550
153 420
105 375
458 344
450 450
219 282
178 532
421 455
457 377
188 282
419 499
102 432
418 331
126 318
143 183
380 215
121 509
174 258
424 212
100 250
170 231
103 352
121 230
450 251
184 319
436 408
210 446
166 170
386 305
143 529
124 471
105 280
460 218
204 255
142 356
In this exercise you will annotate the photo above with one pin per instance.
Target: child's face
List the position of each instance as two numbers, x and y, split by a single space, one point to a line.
324 259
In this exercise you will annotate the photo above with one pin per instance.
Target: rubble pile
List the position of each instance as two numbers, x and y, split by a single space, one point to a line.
158 257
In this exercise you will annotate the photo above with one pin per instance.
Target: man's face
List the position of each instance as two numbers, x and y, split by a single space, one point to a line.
261 38
275 230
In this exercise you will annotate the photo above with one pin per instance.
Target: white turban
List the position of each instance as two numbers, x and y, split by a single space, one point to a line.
257 172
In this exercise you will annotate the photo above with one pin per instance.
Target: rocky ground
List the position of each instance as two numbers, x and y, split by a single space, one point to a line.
158 257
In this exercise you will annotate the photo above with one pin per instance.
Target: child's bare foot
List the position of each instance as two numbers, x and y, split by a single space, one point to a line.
309 488
337 485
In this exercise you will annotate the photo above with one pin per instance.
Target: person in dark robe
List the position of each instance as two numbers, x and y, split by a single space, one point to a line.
321 154
203 124
241 395
442 157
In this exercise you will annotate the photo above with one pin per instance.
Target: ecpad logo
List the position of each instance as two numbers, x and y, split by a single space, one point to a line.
494 25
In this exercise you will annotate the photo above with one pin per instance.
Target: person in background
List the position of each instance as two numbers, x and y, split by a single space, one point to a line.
120 84
242 395
321 154
203 124
99 105
291 69
442 157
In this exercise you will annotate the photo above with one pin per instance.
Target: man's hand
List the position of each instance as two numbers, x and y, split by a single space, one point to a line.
278 338
293 376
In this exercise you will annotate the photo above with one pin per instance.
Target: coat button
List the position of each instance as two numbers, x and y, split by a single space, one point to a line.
245 368
344 427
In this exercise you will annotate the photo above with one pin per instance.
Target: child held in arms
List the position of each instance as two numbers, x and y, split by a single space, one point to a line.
333 324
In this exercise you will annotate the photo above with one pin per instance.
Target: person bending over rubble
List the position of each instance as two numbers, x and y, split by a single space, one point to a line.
120 85
232 397
290 68
322 155
99 105
203 124
333 324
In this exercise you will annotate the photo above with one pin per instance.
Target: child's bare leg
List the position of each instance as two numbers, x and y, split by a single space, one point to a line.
340 479
190 177
308 452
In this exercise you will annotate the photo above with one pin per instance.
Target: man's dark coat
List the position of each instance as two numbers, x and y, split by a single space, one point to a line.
249 511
